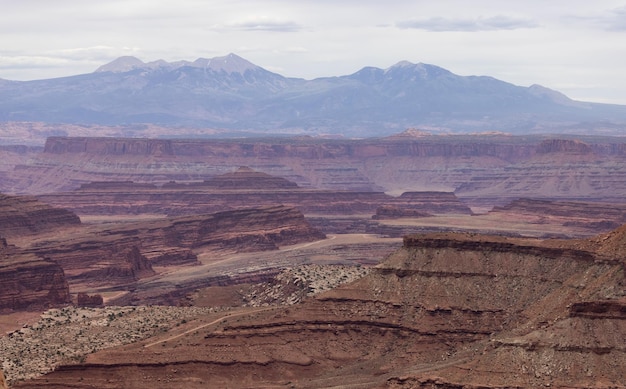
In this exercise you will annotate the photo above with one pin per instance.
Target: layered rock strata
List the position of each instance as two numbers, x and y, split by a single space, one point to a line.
598 216
125 253
20 215
242 178
178 200
28 281
422 204
445 311
242 188
485 170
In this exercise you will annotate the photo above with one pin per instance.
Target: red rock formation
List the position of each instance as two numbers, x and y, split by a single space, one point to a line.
395 212
123 254
563 146
21 215
109 146
86 300
123 265
445 311
28 281
485 170
192 199
610 309
94 260
242 178
302 148
422 204
596 216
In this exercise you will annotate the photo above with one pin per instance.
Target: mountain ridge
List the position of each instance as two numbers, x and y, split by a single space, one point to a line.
230 93
230 63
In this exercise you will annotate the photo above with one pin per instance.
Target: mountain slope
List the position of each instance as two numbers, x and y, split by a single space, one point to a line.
232 93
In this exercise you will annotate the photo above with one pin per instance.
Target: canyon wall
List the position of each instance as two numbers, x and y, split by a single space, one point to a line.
446 311
482 170
28 281
241 188
20 215
122 254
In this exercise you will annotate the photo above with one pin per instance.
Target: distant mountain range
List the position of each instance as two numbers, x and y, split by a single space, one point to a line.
235 96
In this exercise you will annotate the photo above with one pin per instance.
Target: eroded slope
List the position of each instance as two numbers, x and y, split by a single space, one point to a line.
445 311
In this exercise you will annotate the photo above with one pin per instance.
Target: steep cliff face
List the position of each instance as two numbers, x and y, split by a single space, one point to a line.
251 229
597 216
563 146
445 311
246 178
109 146
21 215
300 148
491 169
123 254
27 281
192 199
87 258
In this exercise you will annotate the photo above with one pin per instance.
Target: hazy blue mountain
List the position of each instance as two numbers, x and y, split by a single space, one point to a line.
232 93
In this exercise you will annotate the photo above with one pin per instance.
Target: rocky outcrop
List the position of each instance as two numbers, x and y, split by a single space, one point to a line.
91 301
482 170
301 148
597 216
445 311
251 229
611 309
563 146
573 209
395 212
28 281
109 146
242 178
20 215
89 259
122 254
244 187
123 265
422 204
193 199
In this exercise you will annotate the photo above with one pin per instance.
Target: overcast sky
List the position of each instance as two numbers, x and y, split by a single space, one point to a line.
577 47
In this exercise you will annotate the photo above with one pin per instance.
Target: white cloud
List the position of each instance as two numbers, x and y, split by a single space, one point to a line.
494 23
264 23
615 20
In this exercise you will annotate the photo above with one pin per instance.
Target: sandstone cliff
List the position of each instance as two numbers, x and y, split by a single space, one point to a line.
597 216
122 254
445 311
28 281
244 187
21 215
191 199
242 178
563 146
484 169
